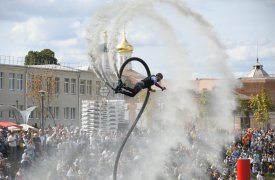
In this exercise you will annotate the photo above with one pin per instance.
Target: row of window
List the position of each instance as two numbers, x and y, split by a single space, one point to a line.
85 86
53 113
15 81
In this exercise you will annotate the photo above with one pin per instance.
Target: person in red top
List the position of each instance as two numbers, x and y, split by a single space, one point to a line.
244 140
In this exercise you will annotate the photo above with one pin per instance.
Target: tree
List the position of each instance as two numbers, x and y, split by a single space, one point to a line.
260 105
42 80
46 56
243 107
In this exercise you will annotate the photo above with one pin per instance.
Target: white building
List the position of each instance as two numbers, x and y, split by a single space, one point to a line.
73 85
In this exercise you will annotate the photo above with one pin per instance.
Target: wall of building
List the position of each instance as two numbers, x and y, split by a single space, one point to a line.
251 86
64 101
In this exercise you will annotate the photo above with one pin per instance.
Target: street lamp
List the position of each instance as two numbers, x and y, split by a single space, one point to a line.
42 94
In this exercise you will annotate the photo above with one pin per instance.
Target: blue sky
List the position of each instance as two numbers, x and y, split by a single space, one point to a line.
61 26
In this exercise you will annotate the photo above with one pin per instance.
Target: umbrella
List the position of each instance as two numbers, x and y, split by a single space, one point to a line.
26 127
14 128
6 124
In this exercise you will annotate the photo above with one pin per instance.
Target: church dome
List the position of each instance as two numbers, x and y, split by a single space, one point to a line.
258 71
124 46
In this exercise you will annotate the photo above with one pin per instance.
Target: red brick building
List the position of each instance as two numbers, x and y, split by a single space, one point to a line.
257 79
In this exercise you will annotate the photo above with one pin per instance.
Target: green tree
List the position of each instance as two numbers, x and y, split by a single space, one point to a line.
243 107
45 56
260 105
203 102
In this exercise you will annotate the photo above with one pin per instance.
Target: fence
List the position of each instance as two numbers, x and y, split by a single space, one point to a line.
20 61
11 60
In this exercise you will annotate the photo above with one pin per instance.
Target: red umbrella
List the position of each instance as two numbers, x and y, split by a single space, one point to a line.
8 124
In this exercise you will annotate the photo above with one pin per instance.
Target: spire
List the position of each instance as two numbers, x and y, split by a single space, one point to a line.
257 54
258 70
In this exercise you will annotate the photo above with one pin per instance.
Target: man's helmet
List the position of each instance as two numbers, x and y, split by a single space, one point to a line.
159 75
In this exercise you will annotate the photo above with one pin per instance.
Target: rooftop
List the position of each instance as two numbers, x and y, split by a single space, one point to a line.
258 71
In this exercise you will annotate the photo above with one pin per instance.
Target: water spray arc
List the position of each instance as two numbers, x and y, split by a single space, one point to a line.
139 114
112 18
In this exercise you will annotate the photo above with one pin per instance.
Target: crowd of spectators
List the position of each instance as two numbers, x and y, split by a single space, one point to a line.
66 152
257 145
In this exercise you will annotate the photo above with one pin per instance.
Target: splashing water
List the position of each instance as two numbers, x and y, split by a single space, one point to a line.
167 151
180 106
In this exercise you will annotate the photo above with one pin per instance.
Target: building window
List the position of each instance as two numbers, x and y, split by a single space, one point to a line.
66 113
1 80
11 81
82 86
29 79
66 85
50 112
56 112
1 112
89 87
19 82
73 113
97 87
57 85
32 114
73 86
11 114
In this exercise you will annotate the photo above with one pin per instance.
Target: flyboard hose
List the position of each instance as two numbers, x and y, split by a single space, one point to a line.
139 114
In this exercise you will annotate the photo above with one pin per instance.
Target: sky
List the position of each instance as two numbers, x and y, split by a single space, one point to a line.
245 28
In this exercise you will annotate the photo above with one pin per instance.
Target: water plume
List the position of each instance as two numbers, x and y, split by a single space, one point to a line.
181 143
184 106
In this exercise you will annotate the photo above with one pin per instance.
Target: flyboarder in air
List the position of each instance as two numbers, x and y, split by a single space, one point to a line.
145 83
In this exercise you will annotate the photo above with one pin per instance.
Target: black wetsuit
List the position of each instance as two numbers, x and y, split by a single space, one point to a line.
145 83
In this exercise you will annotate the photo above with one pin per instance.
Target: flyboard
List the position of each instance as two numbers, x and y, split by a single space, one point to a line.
120 85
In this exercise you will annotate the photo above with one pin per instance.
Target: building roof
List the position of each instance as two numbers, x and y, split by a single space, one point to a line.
258 71
60 67
242 96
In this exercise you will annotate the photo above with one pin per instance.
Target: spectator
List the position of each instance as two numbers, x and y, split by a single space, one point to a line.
259 176
12 144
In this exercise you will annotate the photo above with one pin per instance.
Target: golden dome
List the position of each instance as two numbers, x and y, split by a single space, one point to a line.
124 46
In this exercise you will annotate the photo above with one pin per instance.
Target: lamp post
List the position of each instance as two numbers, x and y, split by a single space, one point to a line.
42 94
14 114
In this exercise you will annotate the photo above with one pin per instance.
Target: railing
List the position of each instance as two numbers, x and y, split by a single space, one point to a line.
12 60
20 61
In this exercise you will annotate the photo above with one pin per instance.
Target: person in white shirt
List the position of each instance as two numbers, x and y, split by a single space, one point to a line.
12 143
259 176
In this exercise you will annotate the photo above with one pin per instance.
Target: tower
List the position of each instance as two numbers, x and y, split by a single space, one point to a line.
124 51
